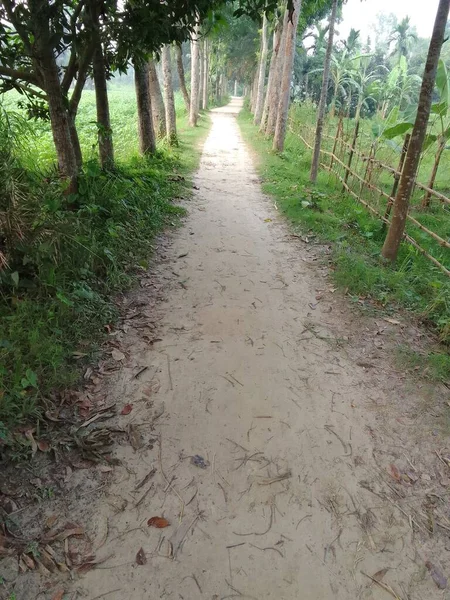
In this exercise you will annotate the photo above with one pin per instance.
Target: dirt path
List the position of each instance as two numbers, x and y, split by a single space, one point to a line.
266 469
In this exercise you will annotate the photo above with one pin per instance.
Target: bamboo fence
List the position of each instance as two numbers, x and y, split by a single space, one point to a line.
363 177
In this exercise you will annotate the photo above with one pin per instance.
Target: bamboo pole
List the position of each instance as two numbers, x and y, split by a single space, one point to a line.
352 152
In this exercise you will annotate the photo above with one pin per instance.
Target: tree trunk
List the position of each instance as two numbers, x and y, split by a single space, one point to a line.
254 91
181 77
169 99
105 141
259 104
205 74
289 53
401 204
323 95
200 75
272 66
157 102
195 69
274 99
441 147
147 143
235 87
60 120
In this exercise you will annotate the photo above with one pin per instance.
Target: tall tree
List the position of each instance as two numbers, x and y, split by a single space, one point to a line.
200 74
169 98
156 101
270 82
104 132
181 76
206 74
147 144
291 23
195 72
406 184
274 98
402 36
259 104
323 95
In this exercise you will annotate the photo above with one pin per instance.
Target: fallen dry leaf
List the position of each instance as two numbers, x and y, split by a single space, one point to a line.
380 574
395 473
392 321
28 561
62 535
50 521
438 577
58 595
30 438
43 445
158 522
118 355
141 558
126 409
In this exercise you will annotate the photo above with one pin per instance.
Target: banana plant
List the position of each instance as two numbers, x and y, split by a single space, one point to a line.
442 120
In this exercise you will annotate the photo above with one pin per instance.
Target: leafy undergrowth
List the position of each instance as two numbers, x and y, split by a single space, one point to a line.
413 283
63 259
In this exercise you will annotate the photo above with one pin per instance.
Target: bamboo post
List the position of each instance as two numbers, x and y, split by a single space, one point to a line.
426 201
350 158
336 138
397 175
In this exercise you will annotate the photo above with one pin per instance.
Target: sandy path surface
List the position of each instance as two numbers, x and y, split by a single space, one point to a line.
247 412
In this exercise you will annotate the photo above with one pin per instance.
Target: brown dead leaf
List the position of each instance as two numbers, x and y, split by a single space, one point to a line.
30 438
395 473
58 595
29 562
141 558
90 563
118 355
158 522
64 534
50 521
126 409
43 445
378 576
392 321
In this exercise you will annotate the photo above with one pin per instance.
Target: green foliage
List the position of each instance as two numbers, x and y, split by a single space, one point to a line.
412 283
65 257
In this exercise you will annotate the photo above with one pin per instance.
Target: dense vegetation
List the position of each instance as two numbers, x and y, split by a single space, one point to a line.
362 100
67 258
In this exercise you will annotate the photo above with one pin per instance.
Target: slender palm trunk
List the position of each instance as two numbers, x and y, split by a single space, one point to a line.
181 77
254 91
401 203
147 144
195 69
200 76
157 102
259 104
269 90
274 99
169 98
289 53
323 96
205 74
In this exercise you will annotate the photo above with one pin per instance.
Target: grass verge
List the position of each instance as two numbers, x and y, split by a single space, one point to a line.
413 283
65 259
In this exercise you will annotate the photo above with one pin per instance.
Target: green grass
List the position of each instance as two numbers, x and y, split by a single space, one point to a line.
68 258
413 283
